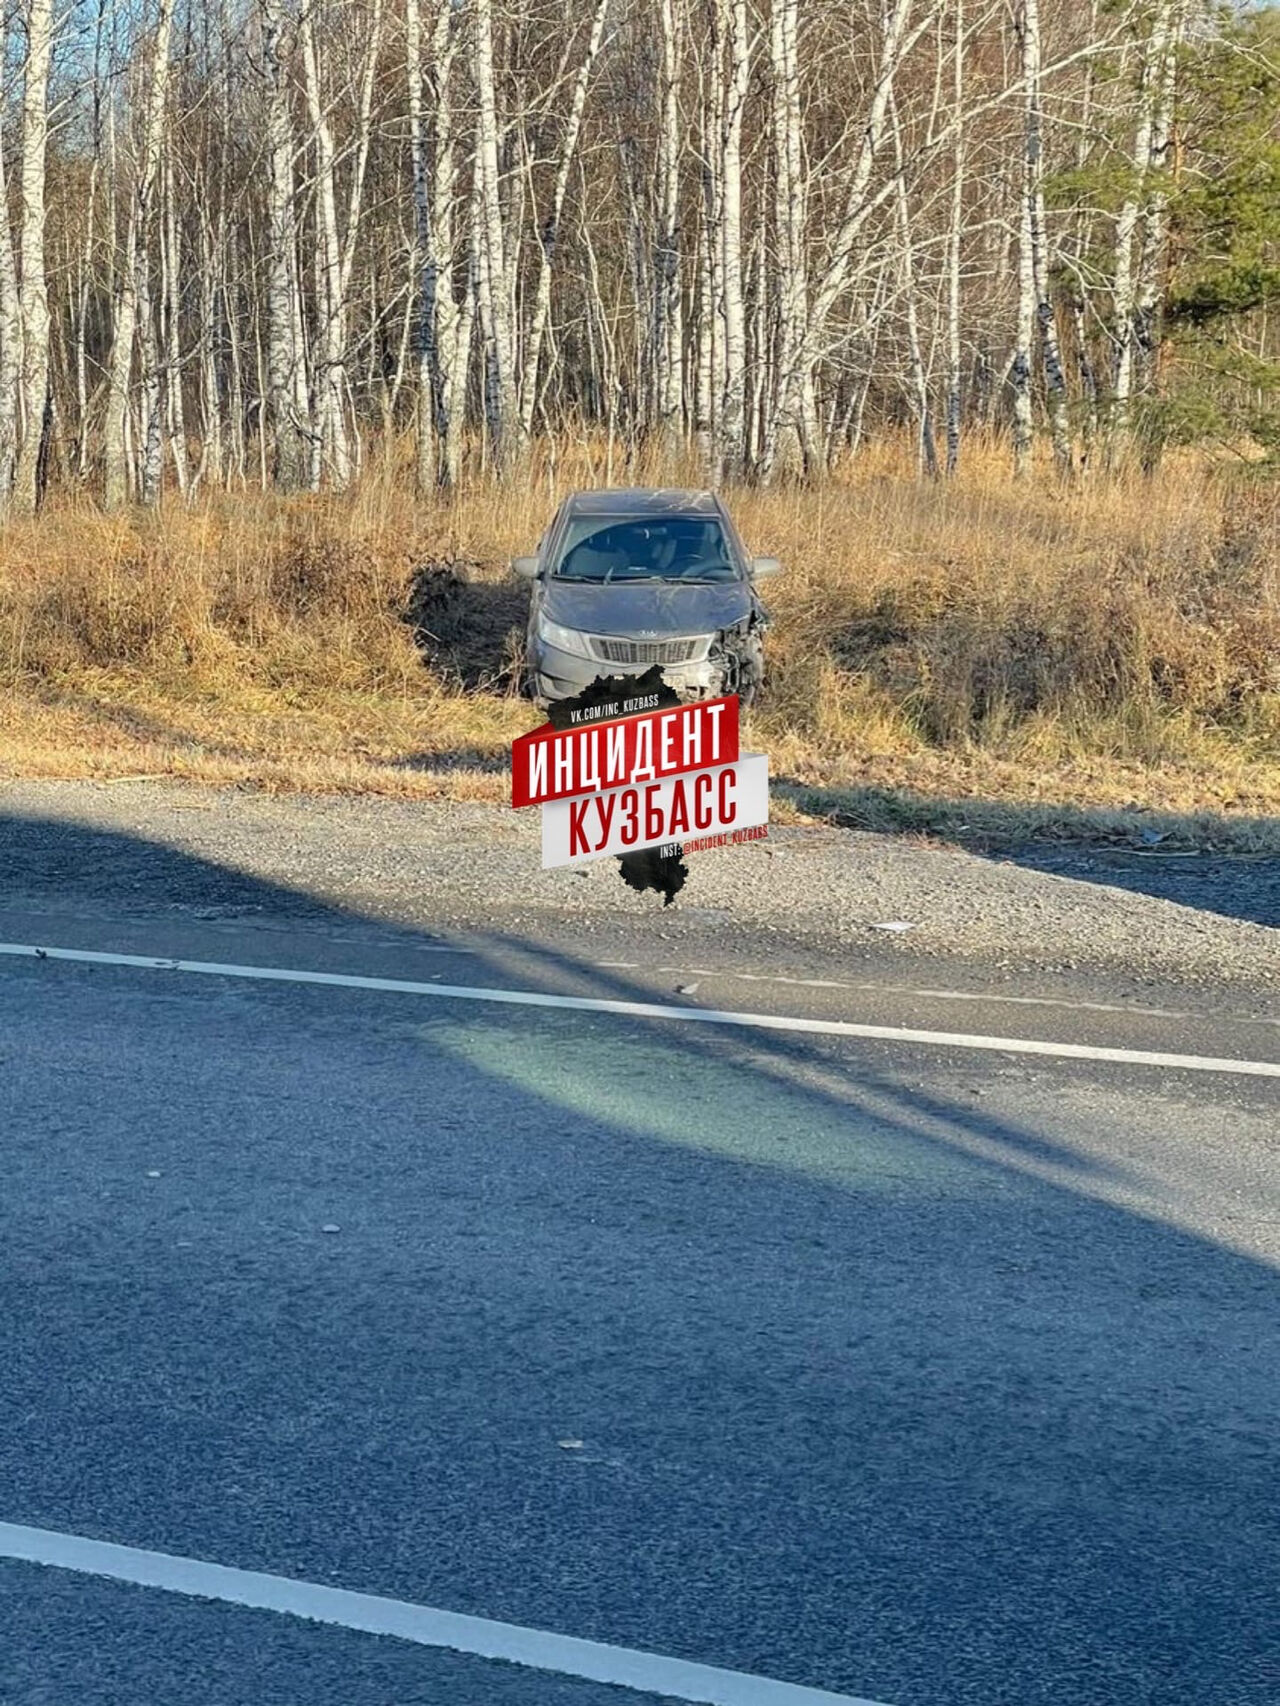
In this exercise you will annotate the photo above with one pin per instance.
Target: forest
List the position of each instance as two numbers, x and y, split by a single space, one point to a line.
247 240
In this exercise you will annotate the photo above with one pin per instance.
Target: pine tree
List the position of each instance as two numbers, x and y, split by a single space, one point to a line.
1221 356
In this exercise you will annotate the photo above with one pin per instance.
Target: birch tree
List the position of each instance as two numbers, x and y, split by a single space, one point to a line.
288 413
171 269
709 359
329 448
1124 296
789 431
152 419
1035 236
954 410
440 324
34 290
668 320
1020 367
10 319
494 302
731 26
926 452
1152 246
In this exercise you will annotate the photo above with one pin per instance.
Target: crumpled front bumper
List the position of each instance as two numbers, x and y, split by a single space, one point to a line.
562 675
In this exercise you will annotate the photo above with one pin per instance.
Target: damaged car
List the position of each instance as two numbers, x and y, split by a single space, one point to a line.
626 580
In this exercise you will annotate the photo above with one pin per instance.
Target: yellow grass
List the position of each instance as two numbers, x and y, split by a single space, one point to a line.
984 659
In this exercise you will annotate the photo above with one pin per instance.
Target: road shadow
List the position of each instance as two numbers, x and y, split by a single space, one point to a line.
778 1352
1213 862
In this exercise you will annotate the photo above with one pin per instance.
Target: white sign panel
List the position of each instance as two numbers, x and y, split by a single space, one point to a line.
710 805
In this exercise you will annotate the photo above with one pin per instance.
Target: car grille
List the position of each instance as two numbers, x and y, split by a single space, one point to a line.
609 650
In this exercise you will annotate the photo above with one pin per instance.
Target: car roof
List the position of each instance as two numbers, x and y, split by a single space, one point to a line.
643 500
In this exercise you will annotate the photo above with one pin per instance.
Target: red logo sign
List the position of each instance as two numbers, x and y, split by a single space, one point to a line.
595 757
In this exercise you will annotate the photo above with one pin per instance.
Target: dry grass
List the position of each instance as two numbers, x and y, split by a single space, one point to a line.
1023 658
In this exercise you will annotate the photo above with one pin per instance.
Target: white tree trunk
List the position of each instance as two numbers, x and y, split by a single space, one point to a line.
152 375
704 379
1123 290
175 406
211 444
10 327
436 317
710 390
668 322
787 438
34 291
1020 368
732 21
328 366
134 305
237 448
459 356
114 439
1082 238
287 414
760 362
954 232
1151 252
1033 191
926 449
149 349
495 306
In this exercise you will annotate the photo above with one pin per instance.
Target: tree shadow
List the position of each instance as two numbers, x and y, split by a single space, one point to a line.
138 724
1241 885
1211 861
772 1351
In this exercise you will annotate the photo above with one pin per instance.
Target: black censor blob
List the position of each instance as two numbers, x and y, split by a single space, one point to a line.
660 868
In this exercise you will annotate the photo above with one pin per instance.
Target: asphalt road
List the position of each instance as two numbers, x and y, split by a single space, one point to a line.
930 1376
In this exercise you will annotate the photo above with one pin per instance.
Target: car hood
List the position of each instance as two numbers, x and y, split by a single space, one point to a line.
646 609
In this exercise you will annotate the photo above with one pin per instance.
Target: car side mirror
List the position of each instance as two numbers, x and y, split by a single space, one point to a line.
525 567
764 567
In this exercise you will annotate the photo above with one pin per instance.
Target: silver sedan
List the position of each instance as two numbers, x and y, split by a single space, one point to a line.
627 579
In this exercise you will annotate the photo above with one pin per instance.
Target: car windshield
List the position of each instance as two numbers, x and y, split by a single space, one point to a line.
688 548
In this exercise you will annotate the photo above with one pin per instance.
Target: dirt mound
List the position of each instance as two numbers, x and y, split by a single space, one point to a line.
469 630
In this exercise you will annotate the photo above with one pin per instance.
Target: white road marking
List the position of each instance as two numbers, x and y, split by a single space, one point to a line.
658 1010
537 1649
988 998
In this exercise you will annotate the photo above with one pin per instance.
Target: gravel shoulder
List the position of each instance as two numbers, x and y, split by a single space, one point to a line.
449 867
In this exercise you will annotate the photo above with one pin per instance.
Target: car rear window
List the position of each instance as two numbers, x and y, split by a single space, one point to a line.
668 548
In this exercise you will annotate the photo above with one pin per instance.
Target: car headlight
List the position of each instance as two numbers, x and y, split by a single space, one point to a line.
563 639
